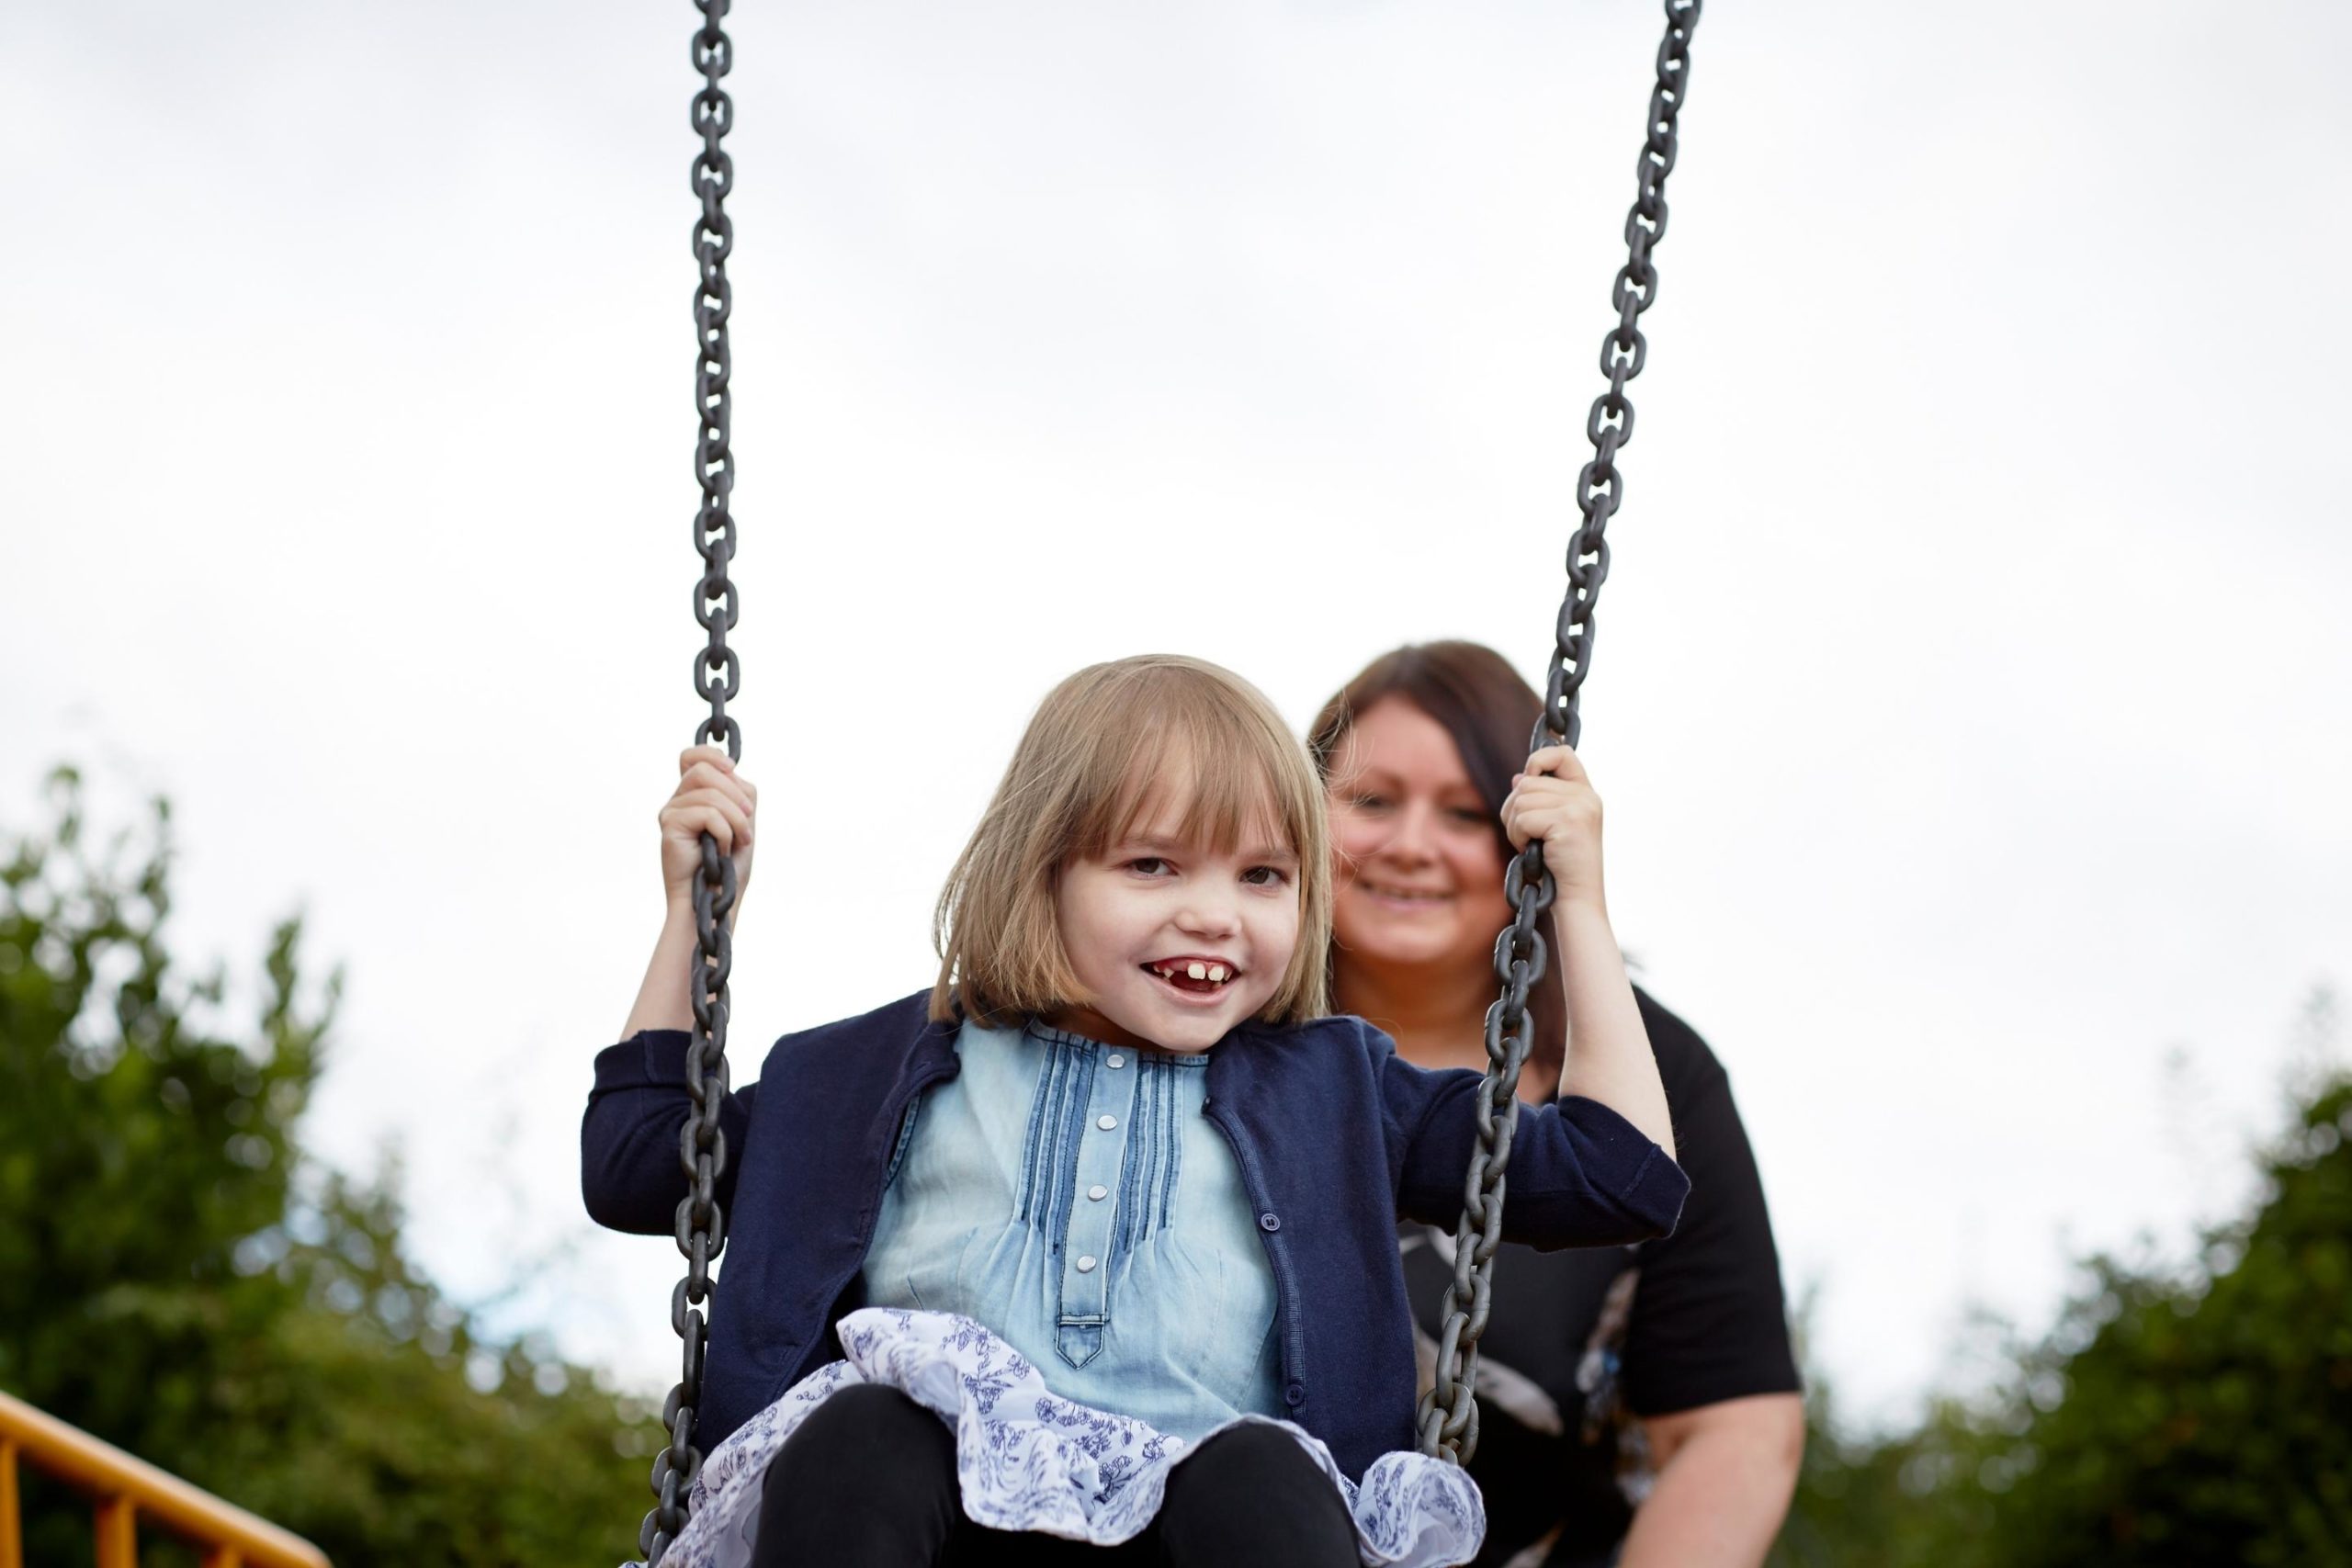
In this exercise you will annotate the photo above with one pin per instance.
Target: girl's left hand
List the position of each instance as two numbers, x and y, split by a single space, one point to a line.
1552 800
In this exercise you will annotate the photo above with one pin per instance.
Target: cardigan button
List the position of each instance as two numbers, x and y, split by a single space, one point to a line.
1295 1395
1270 1222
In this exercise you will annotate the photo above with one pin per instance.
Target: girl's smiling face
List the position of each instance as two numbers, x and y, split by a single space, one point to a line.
1417 876
1175 940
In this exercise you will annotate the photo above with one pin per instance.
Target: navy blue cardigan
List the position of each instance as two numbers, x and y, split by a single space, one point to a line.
1335 1134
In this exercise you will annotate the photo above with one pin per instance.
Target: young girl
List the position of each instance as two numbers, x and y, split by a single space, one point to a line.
1089 1251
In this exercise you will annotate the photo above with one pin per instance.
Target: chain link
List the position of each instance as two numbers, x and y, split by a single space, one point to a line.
1449 1411
700 1228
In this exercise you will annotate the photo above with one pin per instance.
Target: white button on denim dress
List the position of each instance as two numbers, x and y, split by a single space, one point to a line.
1071 1196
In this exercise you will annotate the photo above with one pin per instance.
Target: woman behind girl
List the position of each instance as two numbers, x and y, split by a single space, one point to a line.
1643 1398
1087 1251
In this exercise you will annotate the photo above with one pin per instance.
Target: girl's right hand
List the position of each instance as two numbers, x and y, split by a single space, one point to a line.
713 798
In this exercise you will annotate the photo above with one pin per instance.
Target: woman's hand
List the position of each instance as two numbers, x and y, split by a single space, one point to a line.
1552 800
713 798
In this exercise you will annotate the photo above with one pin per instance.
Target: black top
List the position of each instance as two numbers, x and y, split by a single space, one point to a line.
1707 1323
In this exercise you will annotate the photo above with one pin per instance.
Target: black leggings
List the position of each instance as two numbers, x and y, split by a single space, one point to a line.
868 1481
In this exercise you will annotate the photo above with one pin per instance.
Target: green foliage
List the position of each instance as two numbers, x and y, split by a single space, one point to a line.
2205 1418
1857 1503
2186 1415
178 1280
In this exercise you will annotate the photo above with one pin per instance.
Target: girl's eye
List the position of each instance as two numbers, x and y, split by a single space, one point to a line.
1475 816
1148 865
1264 876
1367 802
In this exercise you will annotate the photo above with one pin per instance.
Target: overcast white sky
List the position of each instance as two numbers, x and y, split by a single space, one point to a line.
1970 705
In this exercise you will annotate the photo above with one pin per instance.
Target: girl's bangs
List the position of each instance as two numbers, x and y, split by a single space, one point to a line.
1215 773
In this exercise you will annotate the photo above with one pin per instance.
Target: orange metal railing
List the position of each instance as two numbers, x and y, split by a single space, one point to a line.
127 1490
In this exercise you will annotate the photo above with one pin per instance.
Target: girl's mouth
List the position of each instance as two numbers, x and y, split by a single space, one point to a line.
1192 977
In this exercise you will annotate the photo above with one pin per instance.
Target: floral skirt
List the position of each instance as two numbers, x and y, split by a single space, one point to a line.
1027 1460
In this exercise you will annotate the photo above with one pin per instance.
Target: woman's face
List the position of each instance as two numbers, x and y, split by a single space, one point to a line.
1417 876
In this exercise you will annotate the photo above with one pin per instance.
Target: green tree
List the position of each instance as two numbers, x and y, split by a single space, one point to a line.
2190 1415
178 1278
2203 1416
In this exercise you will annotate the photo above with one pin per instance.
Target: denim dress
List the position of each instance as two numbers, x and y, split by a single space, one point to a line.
1068 1269
1072 1197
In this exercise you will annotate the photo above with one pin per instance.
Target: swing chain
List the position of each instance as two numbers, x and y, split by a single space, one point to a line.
700 1226
717 676
1449 1411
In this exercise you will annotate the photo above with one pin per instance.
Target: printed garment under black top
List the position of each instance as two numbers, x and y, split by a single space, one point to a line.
1708 1324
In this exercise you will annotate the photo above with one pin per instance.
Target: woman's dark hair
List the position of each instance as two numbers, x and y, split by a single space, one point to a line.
1479 699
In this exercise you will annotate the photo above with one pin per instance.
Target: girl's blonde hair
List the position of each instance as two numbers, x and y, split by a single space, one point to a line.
1102 755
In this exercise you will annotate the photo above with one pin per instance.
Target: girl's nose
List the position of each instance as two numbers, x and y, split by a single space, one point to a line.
1205 917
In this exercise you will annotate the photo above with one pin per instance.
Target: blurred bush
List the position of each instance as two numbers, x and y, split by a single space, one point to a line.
2192 1415
177 1278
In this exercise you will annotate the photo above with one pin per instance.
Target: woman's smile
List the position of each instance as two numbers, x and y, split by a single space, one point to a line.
1406 900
